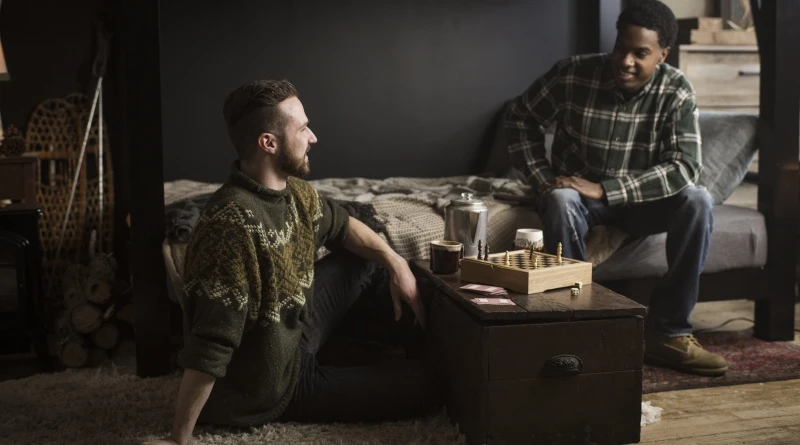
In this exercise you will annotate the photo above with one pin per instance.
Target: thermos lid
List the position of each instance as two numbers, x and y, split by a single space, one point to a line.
468 201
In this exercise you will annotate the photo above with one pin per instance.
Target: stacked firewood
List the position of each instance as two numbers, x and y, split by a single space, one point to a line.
97 323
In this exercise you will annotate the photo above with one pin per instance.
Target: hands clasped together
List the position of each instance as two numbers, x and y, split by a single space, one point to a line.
587 189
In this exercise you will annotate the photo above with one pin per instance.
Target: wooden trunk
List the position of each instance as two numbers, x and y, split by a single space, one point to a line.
86 318
101 279
73 352
552 369
73 284
107 336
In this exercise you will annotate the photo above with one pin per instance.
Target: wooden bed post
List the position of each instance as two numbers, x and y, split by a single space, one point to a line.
778 31
139 42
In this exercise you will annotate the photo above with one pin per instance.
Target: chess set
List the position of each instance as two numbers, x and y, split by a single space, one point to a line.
525 271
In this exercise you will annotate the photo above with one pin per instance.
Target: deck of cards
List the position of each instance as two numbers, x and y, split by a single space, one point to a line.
484 289
500 301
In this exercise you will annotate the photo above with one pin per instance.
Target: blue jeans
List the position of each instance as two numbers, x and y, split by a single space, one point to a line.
687 219
396 389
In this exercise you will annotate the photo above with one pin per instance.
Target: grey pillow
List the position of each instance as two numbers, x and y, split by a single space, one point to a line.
729 146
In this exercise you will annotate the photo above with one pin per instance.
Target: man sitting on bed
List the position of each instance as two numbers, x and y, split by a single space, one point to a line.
626 153
256 312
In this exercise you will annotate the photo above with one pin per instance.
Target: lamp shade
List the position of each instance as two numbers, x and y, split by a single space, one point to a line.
3 69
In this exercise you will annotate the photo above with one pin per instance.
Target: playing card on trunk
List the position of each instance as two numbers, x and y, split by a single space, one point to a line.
500 301
484 289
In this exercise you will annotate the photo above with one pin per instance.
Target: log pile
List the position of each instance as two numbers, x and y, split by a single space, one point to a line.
96 325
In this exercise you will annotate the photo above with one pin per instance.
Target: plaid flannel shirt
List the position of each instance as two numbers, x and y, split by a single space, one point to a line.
640 148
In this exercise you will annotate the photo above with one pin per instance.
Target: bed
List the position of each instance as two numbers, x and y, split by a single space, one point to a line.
767 273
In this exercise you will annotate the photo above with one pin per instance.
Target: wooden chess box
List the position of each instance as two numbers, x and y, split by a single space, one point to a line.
521 276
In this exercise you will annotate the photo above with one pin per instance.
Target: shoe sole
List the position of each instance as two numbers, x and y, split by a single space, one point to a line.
711 372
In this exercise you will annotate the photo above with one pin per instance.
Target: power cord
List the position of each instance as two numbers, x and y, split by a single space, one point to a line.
703 331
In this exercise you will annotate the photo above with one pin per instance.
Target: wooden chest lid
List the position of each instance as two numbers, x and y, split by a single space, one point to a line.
593 302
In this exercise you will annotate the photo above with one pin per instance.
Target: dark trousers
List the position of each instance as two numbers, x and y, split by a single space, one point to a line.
396 389
687 219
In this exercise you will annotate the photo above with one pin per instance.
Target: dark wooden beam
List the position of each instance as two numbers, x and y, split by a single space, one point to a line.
139 35
587 26
778 32
596 25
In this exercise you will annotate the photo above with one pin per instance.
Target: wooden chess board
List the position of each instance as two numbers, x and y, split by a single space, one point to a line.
521 276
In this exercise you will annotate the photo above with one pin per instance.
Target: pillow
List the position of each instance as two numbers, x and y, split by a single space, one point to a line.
729 146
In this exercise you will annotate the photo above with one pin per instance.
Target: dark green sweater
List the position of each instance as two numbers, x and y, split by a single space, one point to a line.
249 273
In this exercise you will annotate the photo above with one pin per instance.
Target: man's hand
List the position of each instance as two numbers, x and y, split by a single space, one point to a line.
365 243
192 396
587 189
403 287
164 441
546 187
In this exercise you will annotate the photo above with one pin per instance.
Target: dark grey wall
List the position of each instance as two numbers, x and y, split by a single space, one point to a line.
48 48
392 88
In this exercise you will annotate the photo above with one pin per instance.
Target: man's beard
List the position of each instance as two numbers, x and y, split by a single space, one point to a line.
293 166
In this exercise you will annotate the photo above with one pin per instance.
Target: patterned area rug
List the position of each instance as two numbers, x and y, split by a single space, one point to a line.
750 360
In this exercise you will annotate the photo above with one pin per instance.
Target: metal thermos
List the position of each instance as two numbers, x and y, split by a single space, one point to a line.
465 221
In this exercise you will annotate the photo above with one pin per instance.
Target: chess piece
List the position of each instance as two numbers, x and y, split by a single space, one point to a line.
486 252
508 259
535 261
558 254
480 248
533 255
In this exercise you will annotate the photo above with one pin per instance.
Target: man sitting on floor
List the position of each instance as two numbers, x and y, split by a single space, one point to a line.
258 309
626 153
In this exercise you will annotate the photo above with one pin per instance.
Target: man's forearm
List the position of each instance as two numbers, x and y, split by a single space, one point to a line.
192 396
362 241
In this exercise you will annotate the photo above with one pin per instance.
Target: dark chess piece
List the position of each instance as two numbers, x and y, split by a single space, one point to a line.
13 143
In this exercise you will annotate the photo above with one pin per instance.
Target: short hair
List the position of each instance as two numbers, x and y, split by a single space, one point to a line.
653 15
252 109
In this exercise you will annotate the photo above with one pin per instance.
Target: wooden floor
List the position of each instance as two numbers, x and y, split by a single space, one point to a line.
759 413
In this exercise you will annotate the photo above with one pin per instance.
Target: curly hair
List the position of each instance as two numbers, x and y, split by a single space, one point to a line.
252 109
653 15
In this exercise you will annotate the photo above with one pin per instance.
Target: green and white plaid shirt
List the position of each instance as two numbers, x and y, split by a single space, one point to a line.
640 148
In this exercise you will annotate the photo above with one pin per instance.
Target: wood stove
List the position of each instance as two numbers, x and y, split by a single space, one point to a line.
22 326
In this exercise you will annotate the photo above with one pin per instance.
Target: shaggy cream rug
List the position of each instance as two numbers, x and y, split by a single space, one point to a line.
112 405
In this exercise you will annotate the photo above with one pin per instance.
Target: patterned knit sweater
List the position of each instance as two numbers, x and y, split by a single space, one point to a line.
249 274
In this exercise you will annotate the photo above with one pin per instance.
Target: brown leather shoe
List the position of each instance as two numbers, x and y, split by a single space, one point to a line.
683 353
